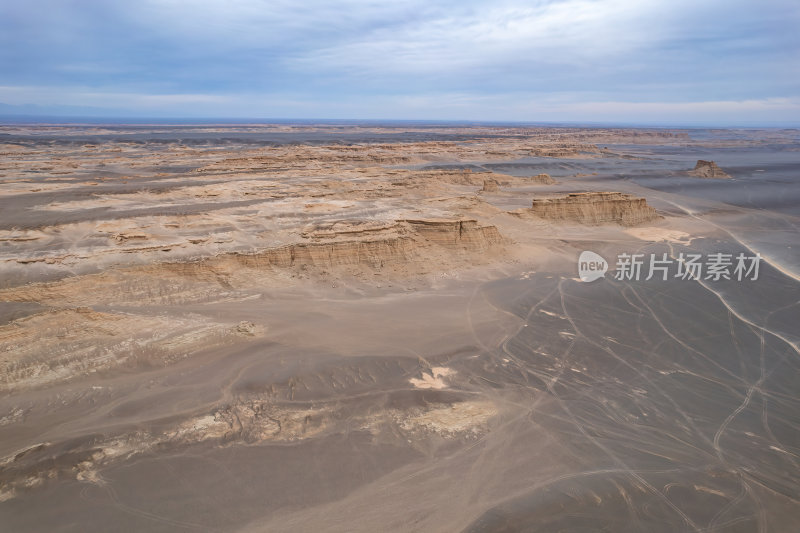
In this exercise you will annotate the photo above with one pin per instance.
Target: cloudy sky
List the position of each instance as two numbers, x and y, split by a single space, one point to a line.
723 62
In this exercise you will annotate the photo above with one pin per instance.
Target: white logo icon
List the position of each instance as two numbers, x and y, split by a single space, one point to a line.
591 266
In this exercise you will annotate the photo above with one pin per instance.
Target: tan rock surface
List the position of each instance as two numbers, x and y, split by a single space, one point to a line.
544 179
708 169
594 208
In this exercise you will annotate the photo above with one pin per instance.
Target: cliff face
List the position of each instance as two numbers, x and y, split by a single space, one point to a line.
397 243
457 235
708 169
393 249
490 186
373 253
350 245
595 208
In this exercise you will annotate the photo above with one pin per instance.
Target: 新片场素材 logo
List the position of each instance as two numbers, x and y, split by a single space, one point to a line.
638 266
591 266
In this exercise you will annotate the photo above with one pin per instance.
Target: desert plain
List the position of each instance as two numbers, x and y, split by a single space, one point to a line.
381 327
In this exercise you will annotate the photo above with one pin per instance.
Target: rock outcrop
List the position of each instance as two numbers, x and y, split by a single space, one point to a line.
354 249
708 169
403 241
490 186
543 179
464 235
594 208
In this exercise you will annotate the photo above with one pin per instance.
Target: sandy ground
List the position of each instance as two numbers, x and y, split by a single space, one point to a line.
316 328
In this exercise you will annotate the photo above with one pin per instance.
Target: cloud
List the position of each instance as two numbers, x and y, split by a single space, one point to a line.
570 32
203 56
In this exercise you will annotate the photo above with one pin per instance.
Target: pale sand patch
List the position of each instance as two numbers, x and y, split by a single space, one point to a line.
451 419
701 488
202 428
660 234
434 380
550 313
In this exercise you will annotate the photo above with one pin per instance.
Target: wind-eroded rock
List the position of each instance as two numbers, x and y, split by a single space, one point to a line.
594 208
708 169
396 243
543 179
394 249
490 186
58 345
248 421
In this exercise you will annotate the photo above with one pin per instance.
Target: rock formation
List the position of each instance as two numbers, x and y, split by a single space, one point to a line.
392 249
466 235
490 185
708 169
544 179
397 243
594 208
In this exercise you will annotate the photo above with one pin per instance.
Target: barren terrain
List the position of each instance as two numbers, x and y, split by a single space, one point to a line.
380 328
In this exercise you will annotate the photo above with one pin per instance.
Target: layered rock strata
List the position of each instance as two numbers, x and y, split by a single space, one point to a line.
595 208
708 169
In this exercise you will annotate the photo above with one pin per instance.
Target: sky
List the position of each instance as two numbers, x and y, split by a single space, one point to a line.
690 62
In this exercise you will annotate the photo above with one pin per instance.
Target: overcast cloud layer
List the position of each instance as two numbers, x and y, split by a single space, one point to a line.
635 61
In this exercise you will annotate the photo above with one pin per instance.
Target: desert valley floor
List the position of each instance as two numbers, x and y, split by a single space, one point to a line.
300 327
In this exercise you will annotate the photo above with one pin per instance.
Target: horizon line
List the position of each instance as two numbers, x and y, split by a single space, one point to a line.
78 120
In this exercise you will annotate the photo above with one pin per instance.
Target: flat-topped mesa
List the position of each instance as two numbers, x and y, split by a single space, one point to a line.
595 208
347 249
708 169
463 234
374 246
